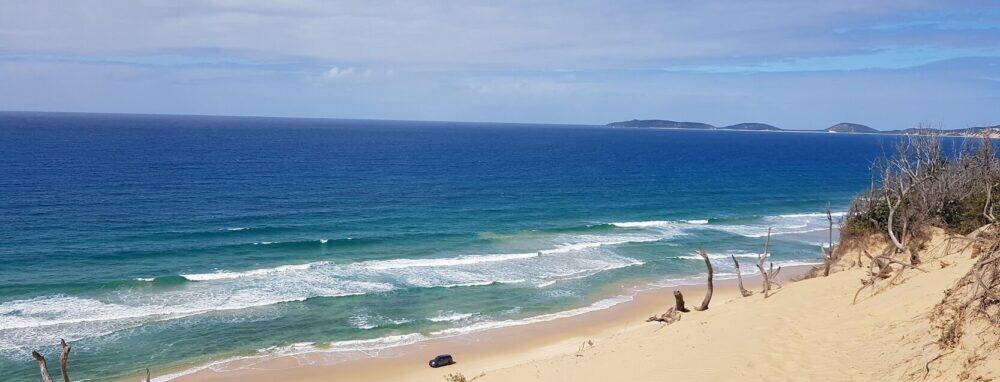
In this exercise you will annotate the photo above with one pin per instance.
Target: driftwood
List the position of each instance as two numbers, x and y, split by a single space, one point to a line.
988 206
673 314
708 293
679 302
760 265
41 366
828 255
739 277
63 359
768 276
879 268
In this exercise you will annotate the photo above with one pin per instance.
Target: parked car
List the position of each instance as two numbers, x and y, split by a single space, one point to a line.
442 360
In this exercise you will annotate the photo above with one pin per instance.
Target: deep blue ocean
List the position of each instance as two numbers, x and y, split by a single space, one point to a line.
172 241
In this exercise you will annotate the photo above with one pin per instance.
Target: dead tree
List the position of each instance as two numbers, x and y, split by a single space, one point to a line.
768 276
63 360
708 293
917 160
739 277
899 196
41 366
880 268
986 273
828 255
988 206
760 264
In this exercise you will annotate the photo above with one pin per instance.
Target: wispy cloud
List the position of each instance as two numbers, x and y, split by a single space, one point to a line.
882 59
555 60
337 73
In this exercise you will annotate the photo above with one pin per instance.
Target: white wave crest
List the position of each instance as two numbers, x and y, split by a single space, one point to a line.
39 320
487 325
645 224
450 316
443 262
367 321
784 224
256 272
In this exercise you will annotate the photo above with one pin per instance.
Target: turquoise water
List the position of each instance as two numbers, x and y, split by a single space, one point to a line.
171 241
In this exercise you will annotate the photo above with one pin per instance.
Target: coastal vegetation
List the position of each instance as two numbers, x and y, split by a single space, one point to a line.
925 184
926 196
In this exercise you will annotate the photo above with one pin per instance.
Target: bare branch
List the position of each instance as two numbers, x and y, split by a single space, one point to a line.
760 265
708 293
739 277
63 359
41 366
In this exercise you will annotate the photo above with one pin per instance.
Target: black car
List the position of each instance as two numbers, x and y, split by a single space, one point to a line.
441 360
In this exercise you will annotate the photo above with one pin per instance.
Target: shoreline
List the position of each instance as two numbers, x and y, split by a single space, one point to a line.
474 351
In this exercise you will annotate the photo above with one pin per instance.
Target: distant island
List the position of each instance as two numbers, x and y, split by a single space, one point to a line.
846 127
665 124
843 127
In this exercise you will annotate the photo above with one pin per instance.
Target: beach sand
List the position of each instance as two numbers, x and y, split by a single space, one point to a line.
807 330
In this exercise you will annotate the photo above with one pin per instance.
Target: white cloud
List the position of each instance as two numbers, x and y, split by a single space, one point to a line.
354 74
337 72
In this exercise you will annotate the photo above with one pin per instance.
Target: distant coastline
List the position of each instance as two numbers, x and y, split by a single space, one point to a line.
840 128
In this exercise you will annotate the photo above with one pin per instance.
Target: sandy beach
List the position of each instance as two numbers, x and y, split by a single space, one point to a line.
807 330
480 351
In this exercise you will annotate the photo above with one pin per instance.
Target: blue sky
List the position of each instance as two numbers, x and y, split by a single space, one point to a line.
804 65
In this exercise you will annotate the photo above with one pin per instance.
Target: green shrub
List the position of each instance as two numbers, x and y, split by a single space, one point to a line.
964 215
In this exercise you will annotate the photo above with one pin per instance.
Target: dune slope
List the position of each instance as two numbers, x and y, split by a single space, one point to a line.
809 330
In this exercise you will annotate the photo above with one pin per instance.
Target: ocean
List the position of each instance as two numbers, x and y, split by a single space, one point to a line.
170 242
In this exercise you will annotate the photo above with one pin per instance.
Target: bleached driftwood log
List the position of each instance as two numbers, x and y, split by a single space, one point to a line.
64 359
768 276
739 277
42 367
708 293
63 362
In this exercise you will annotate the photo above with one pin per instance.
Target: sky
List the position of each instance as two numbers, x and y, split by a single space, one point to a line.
793 64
